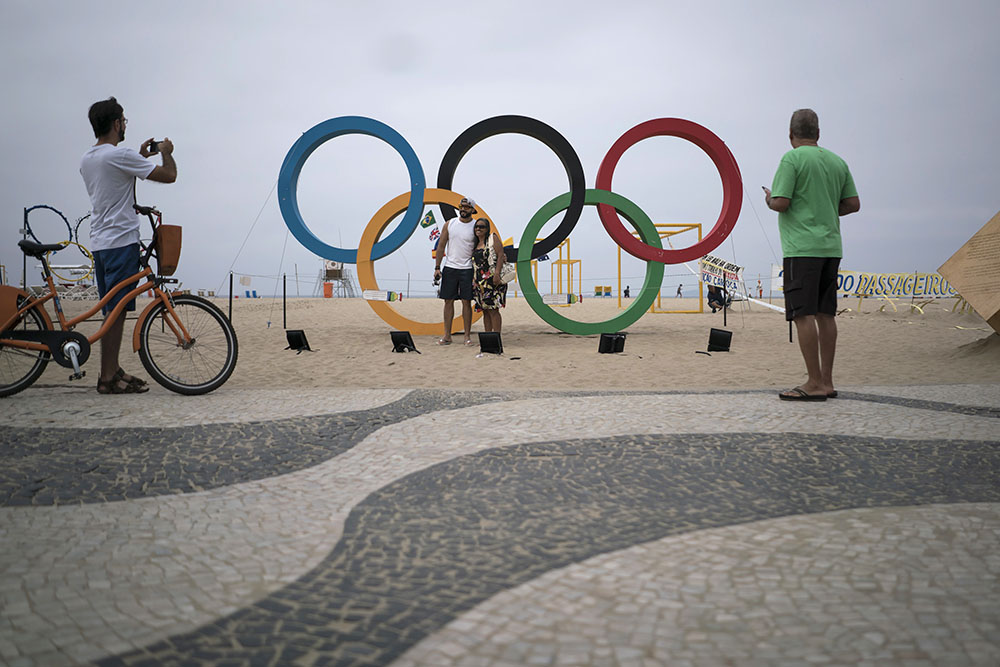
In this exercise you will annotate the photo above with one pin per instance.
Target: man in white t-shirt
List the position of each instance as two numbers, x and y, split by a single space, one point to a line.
455 247
109 172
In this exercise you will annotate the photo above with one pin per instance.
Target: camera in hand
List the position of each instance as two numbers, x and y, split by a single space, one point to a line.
154 146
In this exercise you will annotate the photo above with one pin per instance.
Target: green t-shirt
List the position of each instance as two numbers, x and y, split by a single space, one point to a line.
815 180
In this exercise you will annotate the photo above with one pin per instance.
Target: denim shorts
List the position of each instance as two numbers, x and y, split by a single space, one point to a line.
113 266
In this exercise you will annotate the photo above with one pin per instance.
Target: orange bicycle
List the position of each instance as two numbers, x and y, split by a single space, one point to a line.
185 342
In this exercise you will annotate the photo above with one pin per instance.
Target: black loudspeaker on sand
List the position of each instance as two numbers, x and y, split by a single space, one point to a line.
402 341
611 343
489 342
296 340
719 340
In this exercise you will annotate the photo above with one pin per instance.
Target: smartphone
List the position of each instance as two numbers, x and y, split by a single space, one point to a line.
154 147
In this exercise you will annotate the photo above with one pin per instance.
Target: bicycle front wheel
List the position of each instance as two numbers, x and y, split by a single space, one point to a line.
195 367
20 367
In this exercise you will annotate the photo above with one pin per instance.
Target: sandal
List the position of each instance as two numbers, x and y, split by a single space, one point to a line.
119 385
131 379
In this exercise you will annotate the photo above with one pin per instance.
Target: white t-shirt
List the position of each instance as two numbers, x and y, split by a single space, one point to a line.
461 243
109 173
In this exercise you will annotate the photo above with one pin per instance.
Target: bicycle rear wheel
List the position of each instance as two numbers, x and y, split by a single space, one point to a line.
19 368
198 367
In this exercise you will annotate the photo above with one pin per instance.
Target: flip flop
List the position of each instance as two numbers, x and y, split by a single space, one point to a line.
832 394
442 341
799 394
469 343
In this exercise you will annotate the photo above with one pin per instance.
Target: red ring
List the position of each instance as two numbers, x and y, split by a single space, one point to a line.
732 189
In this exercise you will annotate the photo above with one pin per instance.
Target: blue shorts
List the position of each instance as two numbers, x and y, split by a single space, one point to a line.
113 266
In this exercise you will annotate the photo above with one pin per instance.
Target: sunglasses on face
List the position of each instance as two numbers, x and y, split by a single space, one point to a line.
480 227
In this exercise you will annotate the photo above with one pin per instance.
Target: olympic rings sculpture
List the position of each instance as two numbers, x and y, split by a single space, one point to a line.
74 239
609 204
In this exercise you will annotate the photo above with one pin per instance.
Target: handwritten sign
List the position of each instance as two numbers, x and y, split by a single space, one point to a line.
718 272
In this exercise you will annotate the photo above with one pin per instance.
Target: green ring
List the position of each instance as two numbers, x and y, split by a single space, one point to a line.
650 287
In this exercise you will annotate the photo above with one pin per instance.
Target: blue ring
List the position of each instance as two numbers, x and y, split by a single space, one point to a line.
288 180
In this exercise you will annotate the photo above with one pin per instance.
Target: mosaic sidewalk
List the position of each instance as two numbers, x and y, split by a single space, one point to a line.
376 527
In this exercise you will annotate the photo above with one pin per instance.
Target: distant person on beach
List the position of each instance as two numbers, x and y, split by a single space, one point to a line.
627 291
109 172
455 251
488 258
680 295
812 188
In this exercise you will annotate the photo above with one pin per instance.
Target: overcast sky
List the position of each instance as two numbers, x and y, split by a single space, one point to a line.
906 91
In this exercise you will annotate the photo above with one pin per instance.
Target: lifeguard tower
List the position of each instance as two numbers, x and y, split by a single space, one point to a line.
666 230
337 281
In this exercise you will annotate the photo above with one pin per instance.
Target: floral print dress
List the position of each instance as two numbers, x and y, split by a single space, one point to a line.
488 295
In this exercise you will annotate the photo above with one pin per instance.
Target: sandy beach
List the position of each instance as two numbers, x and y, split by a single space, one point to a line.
351 348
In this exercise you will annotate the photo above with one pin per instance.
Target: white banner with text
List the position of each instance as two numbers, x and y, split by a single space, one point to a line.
894 285
719 272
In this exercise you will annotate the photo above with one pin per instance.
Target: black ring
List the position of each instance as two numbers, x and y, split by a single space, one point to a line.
535 129
27 226
76 230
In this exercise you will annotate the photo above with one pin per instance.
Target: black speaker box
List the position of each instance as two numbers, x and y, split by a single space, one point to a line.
719 340
402 341
296 340
489 341
611 343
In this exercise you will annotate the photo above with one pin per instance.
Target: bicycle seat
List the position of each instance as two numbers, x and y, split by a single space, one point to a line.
36 250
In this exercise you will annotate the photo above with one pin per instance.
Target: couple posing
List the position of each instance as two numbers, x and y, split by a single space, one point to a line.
471 257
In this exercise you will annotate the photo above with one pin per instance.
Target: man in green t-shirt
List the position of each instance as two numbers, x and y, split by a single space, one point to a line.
812 188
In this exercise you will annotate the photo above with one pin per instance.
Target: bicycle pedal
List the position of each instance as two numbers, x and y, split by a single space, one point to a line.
78 376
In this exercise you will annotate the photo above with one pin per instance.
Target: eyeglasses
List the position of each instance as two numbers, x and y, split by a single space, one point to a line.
480 227
124 121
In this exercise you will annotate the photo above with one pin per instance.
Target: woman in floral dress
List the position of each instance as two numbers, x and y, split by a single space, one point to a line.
487 259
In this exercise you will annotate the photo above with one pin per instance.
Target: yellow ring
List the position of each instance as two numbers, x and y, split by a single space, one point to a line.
366 266
86 252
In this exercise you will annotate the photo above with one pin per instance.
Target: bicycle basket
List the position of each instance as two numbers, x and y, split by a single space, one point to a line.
167 248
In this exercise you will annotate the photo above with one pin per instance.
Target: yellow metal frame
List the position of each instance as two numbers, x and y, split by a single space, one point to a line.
555 273
556 279
666 230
